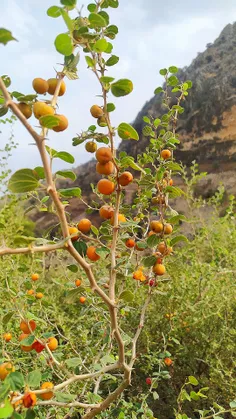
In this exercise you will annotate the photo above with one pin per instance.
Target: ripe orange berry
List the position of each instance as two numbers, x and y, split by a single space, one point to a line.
104 155
42 109
168 362
7 337
105 186
52 344
49 394
105 169
35 277
84 225
91 147
159 269
157 226
30 292
151 233
40 85
74 231
130 243
63 123
121 219
29 399
168 229
52 84
106 212
91 253
162 248
78 282
82 300
27 326
171 182
26 109
39 295
125 178
96 111
166 154
5 369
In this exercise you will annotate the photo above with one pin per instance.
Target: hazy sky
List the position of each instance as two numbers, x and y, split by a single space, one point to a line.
153 34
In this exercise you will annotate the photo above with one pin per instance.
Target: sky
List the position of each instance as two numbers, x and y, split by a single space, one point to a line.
152 34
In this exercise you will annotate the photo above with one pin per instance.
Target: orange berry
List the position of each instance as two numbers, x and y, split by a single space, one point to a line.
35 277
159 269
52 344
26 109
91 253
82 300
105 186
130 243
73 231
168 362
162 248
52 84
106 212
96 111
84 225
42 109
151 233
171 182
7 337
39 295
104 155
166 154
105 169
121 219
29 399
5 369
168 229
27 326
78 282
40 85
91 147
125 178
102 121
49 395
138 275
30 292
157 226
63 123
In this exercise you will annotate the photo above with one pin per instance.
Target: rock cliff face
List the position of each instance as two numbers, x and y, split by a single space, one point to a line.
207 128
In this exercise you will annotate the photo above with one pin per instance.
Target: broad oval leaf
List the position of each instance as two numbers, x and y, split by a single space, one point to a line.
70 192
153 240
34 378
70 3
63 155
122 87
54 11
149 261
63 44
49 121
193 380
73 268
96 20
127 296
100 45
28 341
66 174
16 380
6 409
127 132
6 36
23 180
113 60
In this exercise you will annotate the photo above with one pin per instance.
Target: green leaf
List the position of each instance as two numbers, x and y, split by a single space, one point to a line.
4 390
153 240
101 45
70 192
73 362
127 296
34 378
122 87
127 132
173 69
70 3
54 11
72 296
193 380
67 20
26 98
96 20
7 318
112 29
63 44
149 261
112 60
28 341
23 180
81 247
158 90
6 408
173 80
6 80
173 191
163 71
73 268
30 414
233 404
63 155
49 121
66 174
65 397
3 110
178 239
176 218
89 61
16 416
39 170
105 16
146 119
91 7
95 230
16 380
106 79
110 107
194 395
6 36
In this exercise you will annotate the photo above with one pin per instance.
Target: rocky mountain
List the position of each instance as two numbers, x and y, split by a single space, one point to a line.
207 128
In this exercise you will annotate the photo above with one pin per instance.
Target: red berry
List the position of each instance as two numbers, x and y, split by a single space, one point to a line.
151 282
148 381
